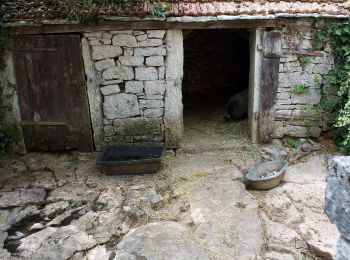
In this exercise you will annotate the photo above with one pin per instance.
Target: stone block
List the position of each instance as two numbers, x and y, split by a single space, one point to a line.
305 44
157 97
151 43
153 112
106 41
106 35
111 82
283 114
120 106
105 52
295 131
311 97
138 33
156 87
135 87
110 89
131 60
141 37
104 64
137 126
123 73
322 69
315 131
124 40
161 72
290 80
156 61
149 103
108 130
278 130
95 42
93 34
273 151
107 122
122 32
159 34
158 138
128 51
337 202
150 51
141 138
143 73
289 58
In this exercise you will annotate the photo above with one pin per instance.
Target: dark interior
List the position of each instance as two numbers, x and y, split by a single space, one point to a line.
216 63
216 66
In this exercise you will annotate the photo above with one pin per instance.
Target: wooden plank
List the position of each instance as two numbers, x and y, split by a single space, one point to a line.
269 84
33 49
272 44
80 121
46 123
55 134
140 24
52 93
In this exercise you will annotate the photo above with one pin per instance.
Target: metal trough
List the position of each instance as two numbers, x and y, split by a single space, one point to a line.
267 175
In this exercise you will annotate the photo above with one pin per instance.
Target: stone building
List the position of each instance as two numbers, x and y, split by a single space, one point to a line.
121 80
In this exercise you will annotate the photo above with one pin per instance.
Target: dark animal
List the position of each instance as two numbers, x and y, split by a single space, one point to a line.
237 106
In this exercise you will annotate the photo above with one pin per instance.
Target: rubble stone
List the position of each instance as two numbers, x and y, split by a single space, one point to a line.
120 106
105 52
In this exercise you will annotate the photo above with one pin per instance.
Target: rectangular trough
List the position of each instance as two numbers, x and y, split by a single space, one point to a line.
123 160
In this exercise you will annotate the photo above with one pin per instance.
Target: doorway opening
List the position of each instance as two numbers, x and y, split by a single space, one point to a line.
216 68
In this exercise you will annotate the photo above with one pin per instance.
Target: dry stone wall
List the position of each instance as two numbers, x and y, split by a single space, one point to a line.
298 115
130 67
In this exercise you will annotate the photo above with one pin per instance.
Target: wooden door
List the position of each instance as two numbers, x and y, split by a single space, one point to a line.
52 92
272 50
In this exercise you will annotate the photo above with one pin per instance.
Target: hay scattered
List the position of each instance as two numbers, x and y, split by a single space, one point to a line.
205 127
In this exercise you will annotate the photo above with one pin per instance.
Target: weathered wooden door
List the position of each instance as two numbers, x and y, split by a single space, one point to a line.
52 92
272 49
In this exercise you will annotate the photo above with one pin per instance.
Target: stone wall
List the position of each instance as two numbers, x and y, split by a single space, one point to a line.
9 108
131 77
298 114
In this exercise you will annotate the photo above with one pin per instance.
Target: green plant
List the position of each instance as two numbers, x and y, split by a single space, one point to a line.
338 34
317 81
304 60
158 8
293 142
300 89
84 11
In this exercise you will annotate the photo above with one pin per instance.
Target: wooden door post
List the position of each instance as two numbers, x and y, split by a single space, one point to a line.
272 49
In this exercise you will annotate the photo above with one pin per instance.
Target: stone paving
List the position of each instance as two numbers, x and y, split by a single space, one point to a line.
60 206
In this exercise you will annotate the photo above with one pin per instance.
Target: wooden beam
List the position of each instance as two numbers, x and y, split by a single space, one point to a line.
139 25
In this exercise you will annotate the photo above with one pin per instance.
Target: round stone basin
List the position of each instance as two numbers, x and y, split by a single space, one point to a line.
267 175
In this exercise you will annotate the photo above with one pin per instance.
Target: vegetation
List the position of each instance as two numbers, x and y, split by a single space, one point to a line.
84 11
293 142
158 8
338 35
304 60
300 89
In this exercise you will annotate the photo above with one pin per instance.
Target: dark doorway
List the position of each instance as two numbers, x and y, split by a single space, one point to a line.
216 67
52 92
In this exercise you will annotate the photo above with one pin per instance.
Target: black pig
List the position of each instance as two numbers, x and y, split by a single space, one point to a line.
237 106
